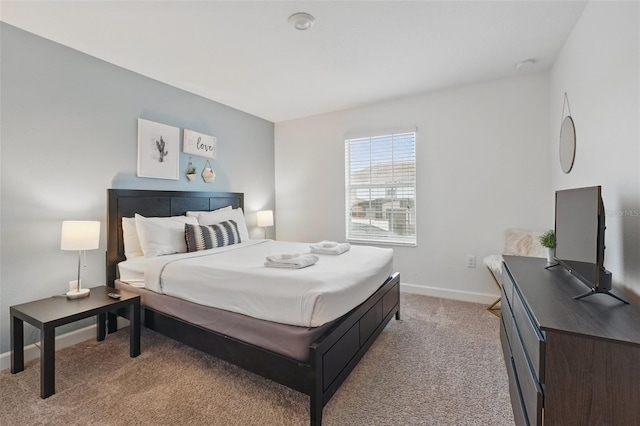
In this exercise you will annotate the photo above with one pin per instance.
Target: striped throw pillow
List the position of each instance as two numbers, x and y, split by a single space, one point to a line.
205 237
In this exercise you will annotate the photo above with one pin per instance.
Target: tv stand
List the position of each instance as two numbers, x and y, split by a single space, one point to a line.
568 363
594 290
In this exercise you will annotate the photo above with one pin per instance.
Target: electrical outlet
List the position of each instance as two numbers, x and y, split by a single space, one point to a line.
73 285
471 261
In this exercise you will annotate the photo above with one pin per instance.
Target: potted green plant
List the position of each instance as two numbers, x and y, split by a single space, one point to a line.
548 241
191 170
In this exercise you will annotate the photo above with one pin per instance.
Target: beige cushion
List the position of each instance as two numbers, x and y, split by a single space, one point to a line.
520 242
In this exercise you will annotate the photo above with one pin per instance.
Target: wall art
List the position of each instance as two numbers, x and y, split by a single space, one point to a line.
158 150
199 144
208 175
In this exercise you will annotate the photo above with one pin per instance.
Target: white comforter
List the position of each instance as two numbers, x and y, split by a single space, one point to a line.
234 278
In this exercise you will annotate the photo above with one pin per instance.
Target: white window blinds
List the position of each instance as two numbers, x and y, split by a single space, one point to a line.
381 188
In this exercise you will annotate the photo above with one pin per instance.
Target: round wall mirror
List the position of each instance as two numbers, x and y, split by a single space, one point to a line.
567 144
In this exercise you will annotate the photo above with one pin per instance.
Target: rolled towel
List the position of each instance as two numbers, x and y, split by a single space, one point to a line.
300 261
330 247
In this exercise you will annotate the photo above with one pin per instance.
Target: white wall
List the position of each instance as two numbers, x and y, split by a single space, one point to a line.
482 154
599 69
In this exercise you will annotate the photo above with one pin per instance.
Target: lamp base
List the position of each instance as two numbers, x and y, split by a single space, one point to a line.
78 294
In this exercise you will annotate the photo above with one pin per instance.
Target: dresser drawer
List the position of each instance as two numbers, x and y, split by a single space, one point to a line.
507 320
519 414
507 285
532 339
529 387
504 340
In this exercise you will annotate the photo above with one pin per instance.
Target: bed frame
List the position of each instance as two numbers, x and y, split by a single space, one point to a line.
331 357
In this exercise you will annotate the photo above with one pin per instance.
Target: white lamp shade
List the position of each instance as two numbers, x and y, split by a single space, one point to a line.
80 235
265 218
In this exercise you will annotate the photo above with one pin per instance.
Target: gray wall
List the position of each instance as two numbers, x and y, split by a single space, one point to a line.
69 132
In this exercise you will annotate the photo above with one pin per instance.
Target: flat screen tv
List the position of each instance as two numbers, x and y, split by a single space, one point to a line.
580 229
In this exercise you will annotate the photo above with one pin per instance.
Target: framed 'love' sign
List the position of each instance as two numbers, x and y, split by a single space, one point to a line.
199 144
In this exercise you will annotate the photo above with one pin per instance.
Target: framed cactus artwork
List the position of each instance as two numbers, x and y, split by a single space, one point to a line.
158 150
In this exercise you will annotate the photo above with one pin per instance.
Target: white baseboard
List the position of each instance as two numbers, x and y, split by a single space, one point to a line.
465 296
62 341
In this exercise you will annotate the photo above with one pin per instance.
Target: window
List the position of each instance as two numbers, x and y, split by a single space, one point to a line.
380 188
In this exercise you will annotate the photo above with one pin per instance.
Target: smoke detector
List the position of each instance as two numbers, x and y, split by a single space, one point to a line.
301 21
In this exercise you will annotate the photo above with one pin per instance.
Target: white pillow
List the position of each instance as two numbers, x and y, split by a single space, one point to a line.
219 216
162 235
196 214
130 238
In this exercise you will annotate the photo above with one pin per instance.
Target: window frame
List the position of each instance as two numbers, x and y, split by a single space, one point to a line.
370 238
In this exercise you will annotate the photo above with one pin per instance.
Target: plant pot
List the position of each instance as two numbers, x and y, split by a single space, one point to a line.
191 176
549 252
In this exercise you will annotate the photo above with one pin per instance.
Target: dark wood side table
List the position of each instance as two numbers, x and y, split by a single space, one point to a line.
47 314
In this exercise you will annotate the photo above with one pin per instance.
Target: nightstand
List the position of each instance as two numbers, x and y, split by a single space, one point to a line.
47 314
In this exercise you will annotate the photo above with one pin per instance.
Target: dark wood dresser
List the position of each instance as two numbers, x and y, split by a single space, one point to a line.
570 362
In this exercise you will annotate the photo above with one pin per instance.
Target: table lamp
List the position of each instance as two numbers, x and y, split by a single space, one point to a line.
265 219
81 236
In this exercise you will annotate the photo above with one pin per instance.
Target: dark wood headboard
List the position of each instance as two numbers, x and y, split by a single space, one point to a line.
127 202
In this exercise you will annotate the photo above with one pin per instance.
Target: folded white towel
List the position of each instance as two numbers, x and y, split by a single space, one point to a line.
329 247
324 244
281 257
297 262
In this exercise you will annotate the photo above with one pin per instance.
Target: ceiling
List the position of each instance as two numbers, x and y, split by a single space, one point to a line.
245 55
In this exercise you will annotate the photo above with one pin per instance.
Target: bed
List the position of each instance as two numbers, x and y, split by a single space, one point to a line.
316 363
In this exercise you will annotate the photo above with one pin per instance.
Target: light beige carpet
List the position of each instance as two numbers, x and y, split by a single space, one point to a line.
441 365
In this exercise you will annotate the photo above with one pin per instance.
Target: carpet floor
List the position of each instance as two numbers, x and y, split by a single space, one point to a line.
441 365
